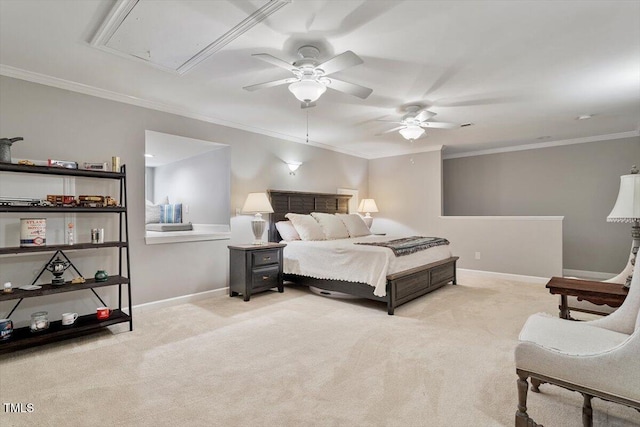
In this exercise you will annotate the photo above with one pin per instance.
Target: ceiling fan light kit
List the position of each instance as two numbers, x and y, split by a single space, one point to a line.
411 132
307 90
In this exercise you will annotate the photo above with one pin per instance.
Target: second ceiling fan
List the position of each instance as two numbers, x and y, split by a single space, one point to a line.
414 122
310 78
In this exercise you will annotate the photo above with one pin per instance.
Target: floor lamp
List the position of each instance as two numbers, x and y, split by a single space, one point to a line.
627 209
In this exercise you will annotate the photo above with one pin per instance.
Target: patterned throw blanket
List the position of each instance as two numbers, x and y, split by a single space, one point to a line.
409 245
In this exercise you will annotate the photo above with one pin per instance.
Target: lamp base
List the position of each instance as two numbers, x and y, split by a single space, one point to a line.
257 226
624 278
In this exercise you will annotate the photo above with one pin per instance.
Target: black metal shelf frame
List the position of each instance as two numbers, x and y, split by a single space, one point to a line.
22 338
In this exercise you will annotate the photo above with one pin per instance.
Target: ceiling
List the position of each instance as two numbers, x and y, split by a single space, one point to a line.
520 71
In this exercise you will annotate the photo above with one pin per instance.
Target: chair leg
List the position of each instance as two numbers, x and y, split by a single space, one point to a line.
587 411
522 418
535 385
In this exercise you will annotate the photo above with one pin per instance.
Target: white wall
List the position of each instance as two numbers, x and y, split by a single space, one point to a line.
66 125
408 191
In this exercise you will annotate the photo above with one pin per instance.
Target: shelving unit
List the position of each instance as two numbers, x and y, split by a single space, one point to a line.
86 324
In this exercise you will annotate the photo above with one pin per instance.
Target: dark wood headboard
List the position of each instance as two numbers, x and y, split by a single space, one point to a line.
284 202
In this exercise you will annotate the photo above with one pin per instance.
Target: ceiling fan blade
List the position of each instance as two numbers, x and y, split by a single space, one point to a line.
270 84
274 61
392 130
350 88
340 62
304 105
389 121
439 125
424 115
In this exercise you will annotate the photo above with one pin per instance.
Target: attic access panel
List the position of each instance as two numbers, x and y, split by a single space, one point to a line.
177 35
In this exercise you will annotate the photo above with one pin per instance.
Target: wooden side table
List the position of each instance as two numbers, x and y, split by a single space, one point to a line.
598 293
255 268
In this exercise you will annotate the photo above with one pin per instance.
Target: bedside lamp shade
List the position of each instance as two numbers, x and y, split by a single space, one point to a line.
367 206
257 203
627 209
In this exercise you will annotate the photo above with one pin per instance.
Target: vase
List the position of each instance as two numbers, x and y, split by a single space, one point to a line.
101 276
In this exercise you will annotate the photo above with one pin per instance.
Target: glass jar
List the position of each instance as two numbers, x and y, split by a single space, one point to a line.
39 321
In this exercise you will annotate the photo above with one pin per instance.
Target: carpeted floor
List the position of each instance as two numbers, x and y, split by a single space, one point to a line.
298 359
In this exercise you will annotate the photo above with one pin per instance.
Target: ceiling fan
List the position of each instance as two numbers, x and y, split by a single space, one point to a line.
310 79
415 121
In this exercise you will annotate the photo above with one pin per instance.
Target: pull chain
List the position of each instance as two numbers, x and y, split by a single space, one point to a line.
307 125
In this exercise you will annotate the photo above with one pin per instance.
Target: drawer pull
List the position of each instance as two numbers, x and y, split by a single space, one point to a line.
265 277
267 258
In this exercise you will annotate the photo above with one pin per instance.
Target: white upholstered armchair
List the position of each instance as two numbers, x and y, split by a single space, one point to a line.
599 358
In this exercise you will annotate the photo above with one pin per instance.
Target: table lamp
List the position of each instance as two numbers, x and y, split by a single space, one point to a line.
627 209
368 206
257 203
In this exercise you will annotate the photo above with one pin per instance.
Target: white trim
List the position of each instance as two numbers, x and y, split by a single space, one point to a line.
17 73
200 232
426 149
123 8
116 16
512 218
547 144
183 299
507 276
353 201
252 20
588 275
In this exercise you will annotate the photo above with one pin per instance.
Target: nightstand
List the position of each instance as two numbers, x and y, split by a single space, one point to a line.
255 268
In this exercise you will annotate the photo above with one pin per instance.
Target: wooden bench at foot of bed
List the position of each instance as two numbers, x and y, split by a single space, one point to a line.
402 287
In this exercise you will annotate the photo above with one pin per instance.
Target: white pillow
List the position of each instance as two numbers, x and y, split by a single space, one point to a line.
152 213
306 226
332 226
355 224
287 231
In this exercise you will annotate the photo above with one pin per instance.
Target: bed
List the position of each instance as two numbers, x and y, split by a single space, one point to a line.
401 286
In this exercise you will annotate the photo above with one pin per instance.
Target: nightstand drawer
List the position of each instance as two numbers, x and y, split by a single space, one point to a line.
265 257
265 277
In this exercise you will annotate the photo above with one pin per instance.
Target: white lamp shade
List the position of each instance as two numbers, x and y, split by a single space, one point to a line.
257 203
411 132
627 207
368 205
307 90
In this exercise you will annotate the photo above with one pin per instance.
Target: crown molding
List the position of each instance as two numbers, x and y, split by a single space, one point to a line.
18 73
547 144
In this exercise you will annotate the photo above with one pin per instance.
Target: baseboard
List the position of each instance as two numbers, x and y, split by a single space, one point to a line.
584 274
507 276
183 299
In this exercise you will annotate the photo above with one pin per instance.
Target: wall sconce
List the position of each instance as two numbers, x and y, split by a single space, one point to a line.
293 167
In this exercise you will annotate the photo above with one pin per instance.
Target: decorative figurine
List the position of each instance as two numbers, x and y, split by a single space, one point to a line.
58 267
101 276
7 288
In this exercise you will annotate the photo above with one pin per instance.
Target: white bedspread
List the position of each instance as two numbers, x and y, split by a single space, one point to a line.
342 260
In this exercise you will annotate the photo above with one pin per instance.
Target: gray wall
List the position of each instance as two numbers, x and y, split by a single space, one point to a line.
66 125
201 183
578 181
